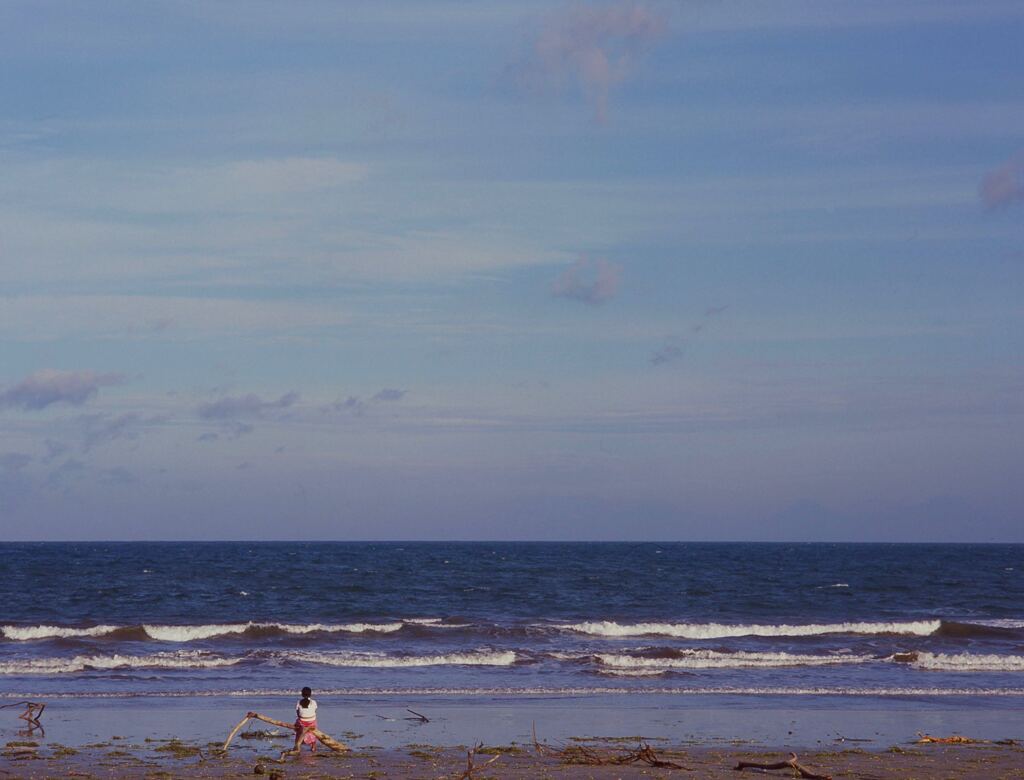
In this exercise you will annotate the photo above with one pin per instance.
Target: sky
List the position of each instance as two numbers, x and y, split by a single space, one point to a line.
469 269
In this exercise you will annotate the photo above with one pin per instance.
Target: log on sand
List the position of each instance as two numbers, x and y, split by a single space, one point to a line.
790 763
326 739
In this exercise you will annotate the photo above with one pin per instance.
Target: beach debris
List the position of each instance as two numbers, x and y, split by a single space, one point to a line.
418 717
789 763
326 739
586 755
267 734
470 767
32 713
954 739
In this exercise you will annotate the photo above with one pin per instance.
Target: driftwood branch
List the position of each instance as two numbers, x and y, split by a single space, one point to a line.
326 739
790 763
955 739
418 718
234 731
33 711
470 767
583 754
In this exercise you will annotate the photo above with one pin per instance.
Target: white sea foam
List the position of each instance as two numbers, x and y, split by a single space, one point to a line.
721 630
711 659
963 662
999 623
435 623
27 633
617 672
183 659
370 660
191 633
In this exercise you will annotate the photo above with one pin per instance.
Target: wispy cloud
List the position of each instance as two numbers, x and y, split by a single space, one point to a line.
671 349
54 449
592 49
389 394
48 386
674 347
118 476
67 472
250 405
589 281
14 461
103 428
351 404
1005 184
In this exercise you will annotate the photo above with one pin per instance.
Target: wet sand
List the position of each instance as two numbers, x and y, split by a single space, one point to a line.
169 738
118 759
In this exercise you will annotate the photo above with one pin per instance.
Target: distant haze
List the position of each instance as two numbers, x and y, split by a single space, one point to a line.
512 270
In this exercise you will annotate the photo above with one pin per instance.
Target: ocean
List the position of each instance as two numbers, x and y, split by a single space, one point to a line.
465 620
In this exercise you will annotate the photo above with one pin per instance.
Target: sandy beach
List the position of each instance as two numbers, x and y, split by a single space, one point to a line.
120 759
160 738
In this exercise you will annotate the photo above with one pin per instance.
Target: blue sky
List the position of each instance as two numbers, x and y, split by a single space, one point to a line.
512 270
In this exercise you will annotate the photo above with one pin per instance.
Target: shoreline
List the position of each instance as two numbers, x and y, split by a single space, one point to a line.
798 721
151 738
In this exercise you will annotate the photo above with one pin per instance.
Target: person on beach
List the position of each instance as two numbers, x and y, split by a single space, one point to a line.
305 720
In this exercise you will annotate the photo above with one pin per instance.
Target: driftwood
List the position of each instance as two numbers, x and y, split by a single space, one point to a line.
33 712
790 763
418 718
326 739
470 767
955 739
582 754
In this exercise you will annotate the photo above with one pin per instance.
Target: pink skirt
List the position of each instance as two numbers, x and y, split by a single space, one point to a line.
310 738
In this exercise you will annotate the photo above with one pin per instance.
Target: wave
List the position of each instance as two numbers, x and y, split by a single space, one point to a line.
619 672
601 628
372 660
711 659
723 630
195 659
184 659
961 662
191 633
26 633
980 628
1001 623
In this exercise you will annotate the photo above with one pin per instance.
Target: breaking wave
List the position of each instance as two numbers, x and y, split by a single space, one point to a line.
23 633
961 662
620 672
371 660
723 630
184 659
191 633
711 659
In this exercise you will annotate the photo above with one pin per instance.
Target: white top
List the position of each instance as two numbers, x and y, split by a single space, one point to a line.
306 713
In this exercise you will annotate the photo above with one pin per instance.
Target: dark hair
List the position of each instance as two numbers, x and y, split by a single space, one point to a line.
306 693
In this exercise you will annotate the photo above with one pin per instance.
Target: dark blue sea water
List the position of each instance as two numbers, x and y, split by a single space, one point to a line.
463 619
